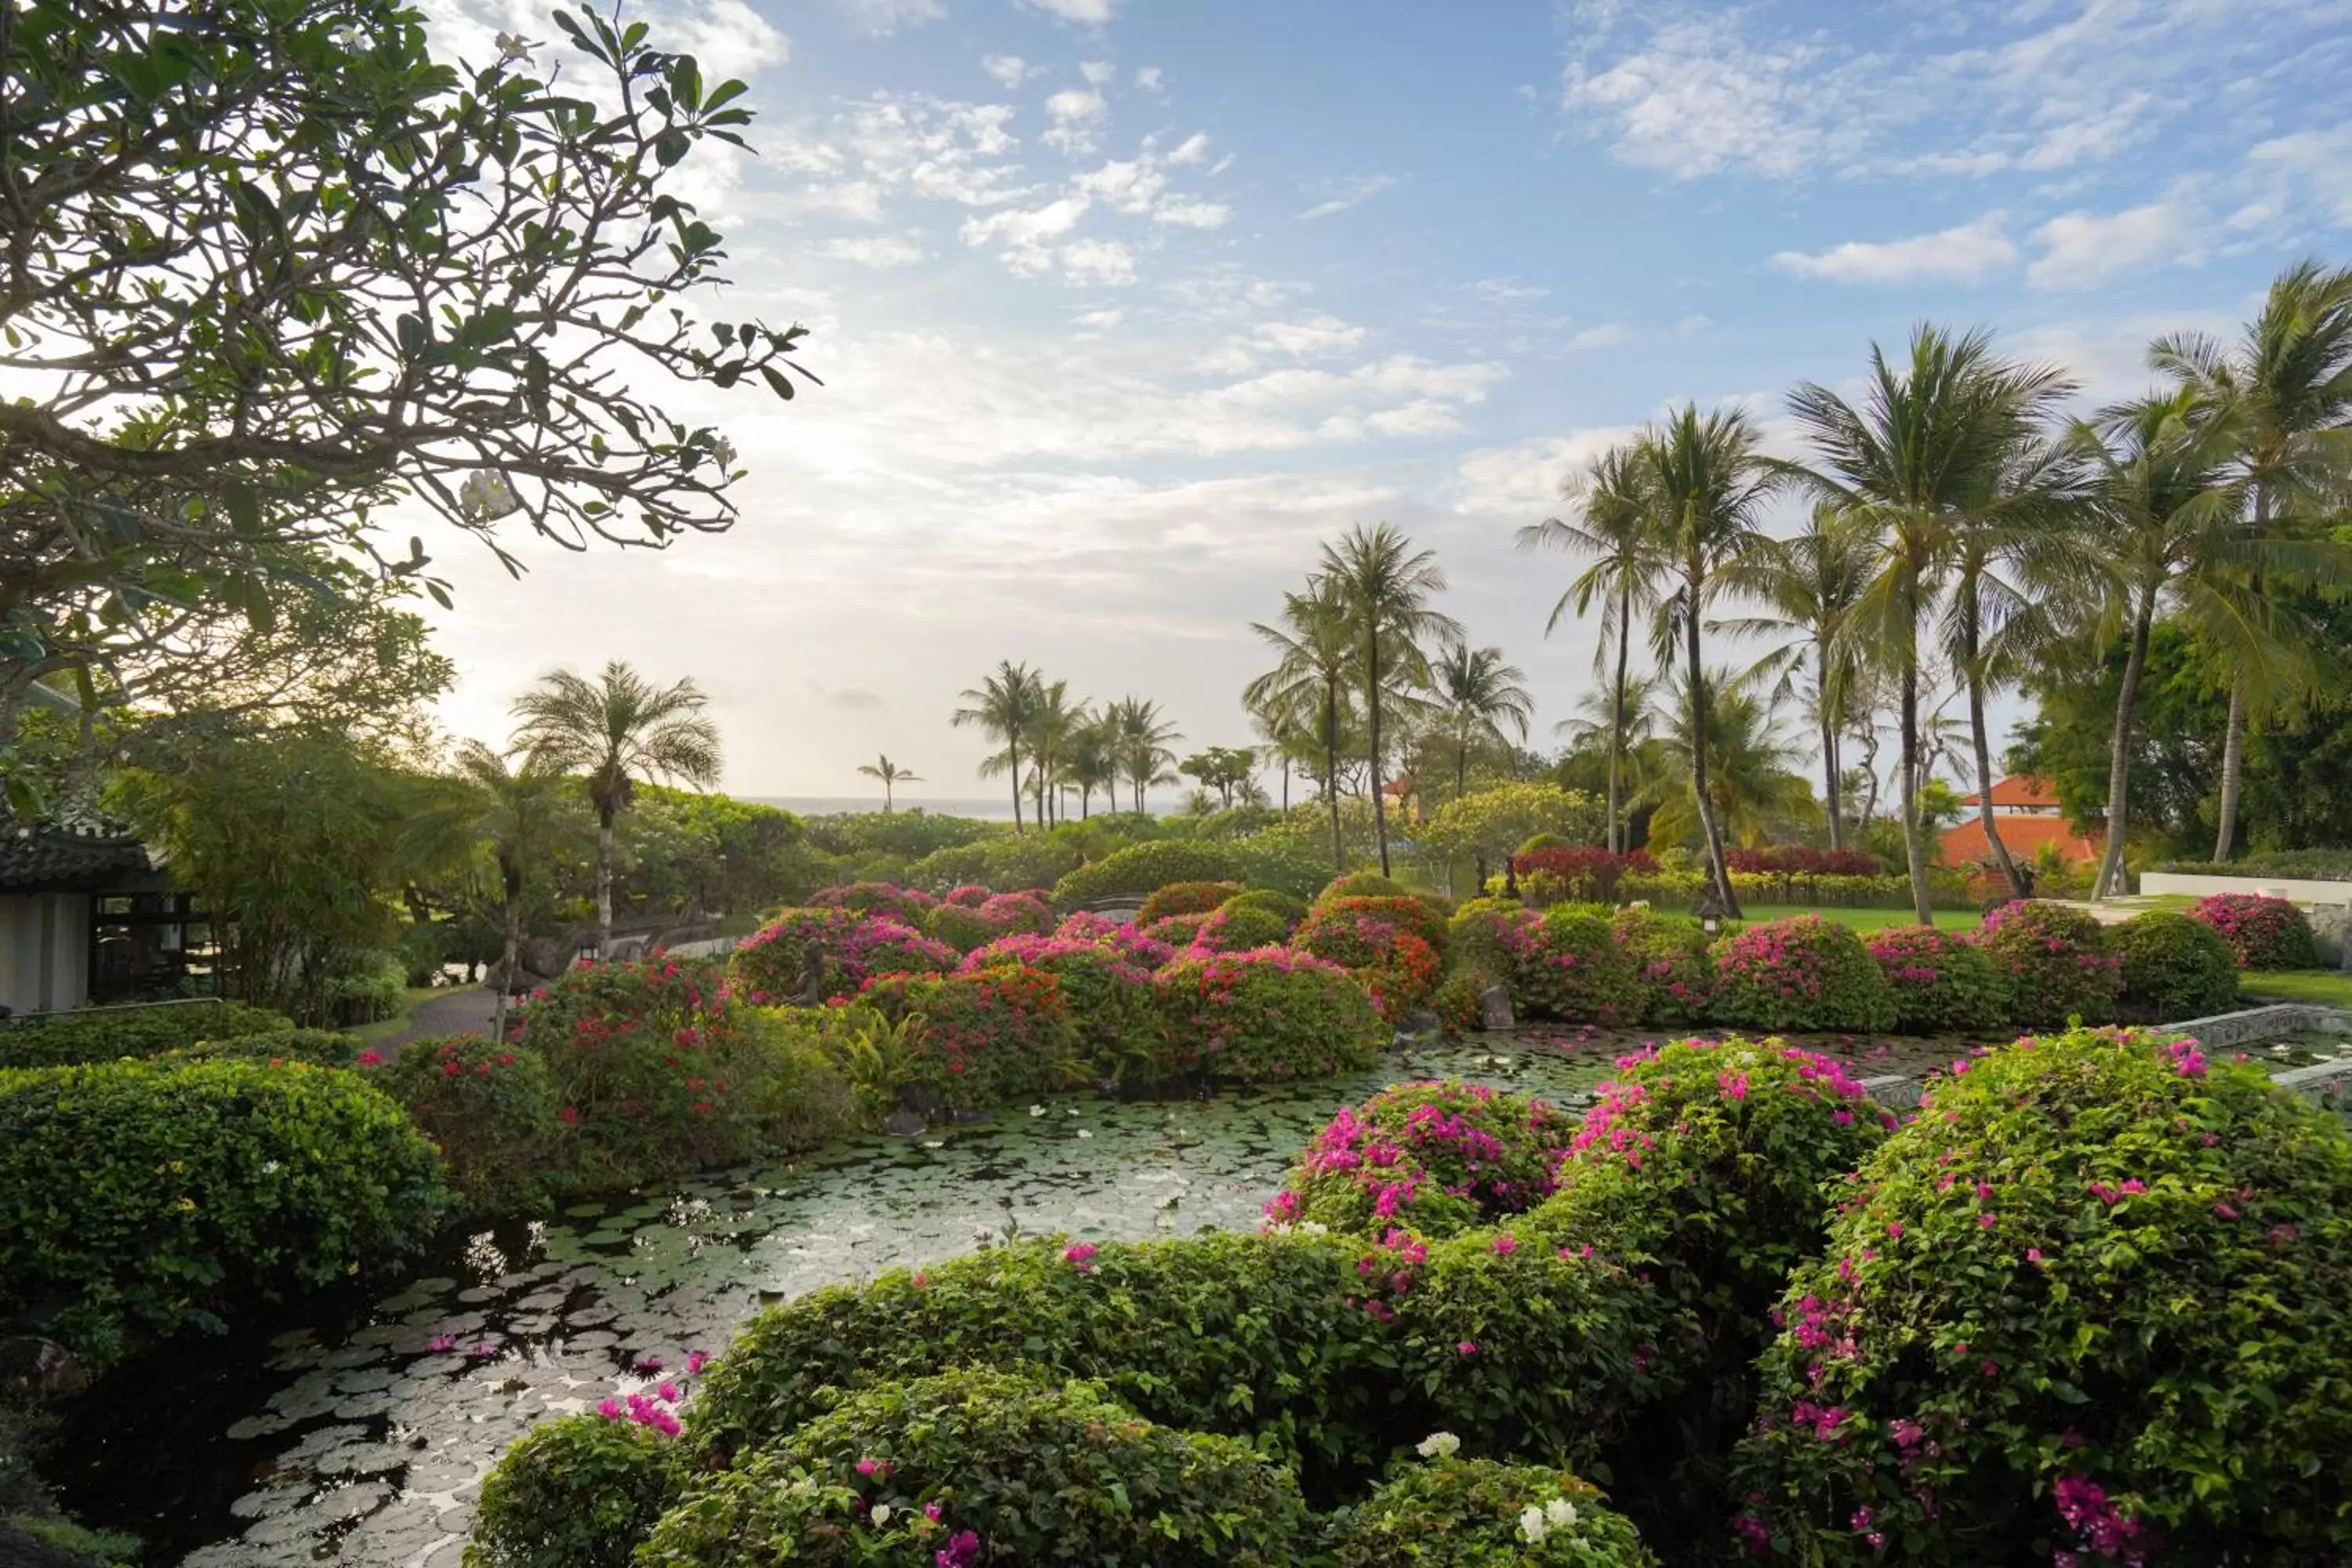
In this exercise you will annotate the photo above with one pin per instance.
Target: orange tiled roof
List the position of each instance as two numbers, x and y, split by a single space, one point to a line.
2022 792
2023 836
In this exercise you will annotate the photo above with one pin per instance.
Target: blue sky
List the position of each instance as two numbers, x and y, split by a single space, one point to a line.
1122 305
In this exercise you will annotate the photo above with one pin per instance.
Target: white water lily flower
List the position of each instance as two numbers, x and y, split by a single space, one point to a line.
1439 1446
1084 1133
881 1514
1532 1527
1036 1111
1560 1512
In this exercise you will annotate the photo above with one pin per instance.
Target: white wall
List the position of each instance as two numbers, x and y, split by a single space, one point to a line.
44 951
2301 890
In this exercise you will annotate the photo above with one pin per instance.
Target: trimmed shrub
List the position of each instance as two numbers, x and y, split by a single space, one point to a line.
1177 931
1457 999
1428 919
1144 868
1112 1002
2262 933
2053 961
1185 899
906 905
2173 967
157 1196
975 1463
1436 1158
998 1033
1673 959
1802 972
970 895
578 1492
1395 965
1942 981
1239 926
1479 1513
1024 911
1585 874
2088 1302
771 965
963 928
105 1034
1267 1016
1565 963
319 1047
1272 900
1118 936
1474 932
1362 884
489 1107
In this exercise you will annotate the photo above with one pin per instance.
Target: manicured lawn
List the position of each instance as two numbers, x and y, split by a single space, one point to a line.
1864 920
2329 987
384 1030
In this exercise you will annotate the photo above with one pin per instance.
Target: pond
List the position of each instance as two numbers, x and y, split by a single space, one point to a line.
362 1440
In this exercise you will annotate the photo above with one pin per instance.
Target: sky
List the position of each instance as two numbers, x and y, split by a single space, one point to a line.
1123 306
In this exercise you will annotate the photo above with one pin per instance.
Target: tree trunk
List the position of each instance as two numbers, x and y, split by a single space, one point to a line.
1285 786
1706 822
1331 775
512 957
886 797
1373 716
1914 851
603 879
2111 865
1968 651
1827 714
1012 749
1618 831
2234 769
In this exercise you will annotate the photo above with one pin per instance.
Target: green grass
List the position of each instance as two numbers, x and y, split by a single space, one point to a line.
1864 920
2327 987
385 1030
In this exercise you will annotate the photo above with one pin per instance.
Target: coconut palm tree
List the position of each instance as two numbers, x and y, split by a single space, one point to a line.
1925 455
2287 385
891 774
615 730
1090 762
1282 727
1056 719
1004 705
1748 765
1809 586
1146 744
1315 648
1384 585
1618 530
1708 484
1476 700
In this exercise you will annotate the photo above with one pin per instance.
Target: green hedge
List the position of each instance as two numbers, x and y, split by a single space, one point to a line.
154 1196
1478 1513
105 1034
2313 865
2173 967
1141 870
576 1492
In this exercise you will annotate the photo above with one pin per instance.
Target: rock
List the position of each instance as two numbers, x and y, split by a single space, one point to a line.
40 1371
919 1098
1495 1008
544 957
903 1124
2332 925
628 950
970 1117
1419 1024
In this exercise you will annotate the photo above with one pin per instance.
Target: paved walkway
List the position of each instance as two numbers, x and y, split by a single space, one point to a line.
460 1010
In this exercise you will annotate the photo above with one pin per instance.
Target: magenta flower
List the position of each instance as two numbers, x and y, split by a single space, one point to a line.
1468 1347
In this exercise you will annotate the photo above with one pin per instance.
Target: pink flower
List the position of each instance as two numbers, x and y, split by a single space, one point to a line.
1079 1255
2225 1211
1468 1347
440 1343
696 1360
1503 1244
371 1058
667 1392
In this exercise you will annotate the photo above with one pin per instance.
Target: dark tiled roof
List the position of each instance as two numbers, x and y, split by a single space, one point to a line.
48 859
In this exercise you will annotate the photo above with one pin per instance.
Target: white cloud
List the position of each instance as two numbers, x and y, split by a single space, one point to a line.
860 200
1965 254
1346 193
1150 78
1101 319
2082 249
1105 262
1523 481
1316 336
1131 186
1088 12
1023 232
1193 214
883 17
1506 290
880 251
934 148
1097 72
1075 113
1009 70
2312 166
726 31
1698 99
1600 335
1194 148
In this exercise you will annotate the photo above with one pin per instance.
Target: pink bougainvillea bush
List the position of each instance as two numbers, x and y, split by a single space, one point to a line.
771 965
1671 961
1436 1158
966 926
2262 933
1112 1001
1803 972
1119 936
2087 1309
1002 1034
1396 966
1566 964
906 905
1942 981
1268 1016
2053 961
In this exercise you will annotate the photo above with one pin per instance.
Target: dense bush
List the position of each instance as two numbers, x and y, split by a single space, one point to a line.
1672 958
1395 965
1184 898
578 1492
974 1466
1672 888
999 1034
962 927
1141 870
1113 1005
1362 884
772 965
1565 963
1118 936
490 1106
1290 911
2262 933
1458 999
1479 1513
1429 918
977 922
319 1047
1796 860
1175 932
154 1196
1436 1158
1584 874
906 905
2053 962
2173 967
1257 1017
2316 865
2088 1303
1942 981
1802 972
103 1035
1239 925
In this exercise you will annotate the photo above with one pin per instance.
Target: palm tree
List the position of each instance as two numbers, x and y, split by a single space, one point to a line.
1748 765
1145 744
1384 585
891 775
2287 389
1927 455
615 730
1315 648
1809 586
1090 762
1474 697
1708 484
1618 530
1281 728
1050 729
1004 705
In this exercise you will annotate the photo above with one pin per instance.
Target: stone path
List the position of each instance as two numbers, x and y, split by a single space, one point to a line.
460 1010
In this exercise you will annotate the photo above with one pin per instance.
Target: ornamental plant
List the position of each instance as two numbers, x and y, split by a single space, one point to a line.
2053 961
1119 936
1185 899
1237 926
143 1198
1943 981
1580 873
1434 1158
1565 965
1426 918
1802 972
2089 1304
319 1047
2173 967
977 1465
489 1107
969 896
1175 932
1451 1512
1143 868
1267 1016
2262 933
578 1492
962 927
1396 967
771 967
906 905
1025 911
62 1039
1672 959
1362 884
999 1034
1112 1002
